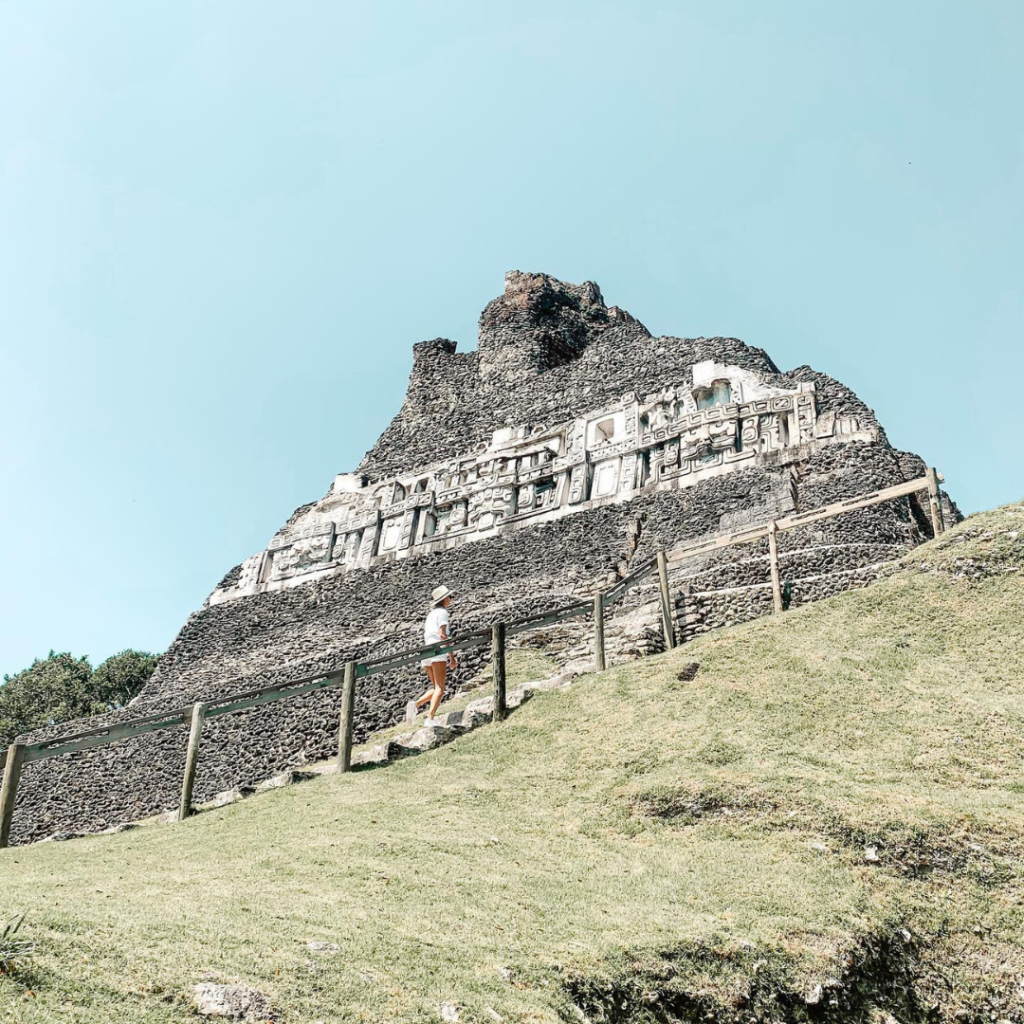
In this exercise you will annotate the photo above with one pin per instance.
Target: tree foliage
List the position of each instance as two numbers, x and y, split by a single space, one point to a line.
61 687
117 680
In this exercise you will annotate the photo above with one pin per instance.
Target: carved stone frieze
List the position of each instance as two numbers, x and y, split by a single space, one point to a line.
674 438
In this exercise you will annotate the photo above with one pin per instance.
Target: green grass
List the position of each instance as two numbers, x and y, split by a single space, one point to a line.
645 848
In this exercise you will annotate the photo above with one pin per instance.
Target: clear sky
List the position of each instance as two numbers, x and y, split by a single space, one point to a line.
224 225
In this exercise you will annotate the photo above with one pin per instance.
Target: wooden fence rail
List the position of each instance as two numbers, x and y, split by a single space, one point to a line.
20 754
790 522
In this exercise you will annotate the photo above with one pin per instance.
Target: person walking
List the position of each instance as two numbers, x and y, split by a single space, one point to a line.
435 630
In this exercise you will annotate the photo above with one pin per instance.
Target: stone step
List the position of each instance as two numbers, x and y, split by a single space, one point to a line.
372 756
453 724
516 697
462 720
427 738
483 706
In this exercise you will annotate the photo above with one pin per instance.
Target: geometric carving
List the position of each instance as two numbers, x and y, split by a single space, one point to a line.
391 534
606 478
308 551
667 440
577 483
826 424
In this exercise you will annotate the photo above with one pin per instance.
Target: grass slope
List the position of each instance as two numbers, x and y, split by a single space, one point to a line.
827 823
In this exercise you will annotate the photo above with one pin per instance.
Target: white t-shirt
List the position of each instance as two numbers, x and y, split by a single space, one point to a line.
436 618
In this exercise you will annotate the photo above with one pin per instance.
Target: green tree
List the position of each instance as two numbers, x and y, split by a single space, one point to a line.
53 689
119 679
62 687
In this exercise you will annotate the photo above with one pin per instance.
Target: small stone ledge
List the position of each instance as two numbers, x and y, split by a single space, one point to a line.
287 778
59 837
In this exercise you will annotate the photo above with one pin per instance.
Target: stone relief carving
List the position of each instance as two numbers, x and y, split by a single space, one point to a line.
308 549
661 410
606 479
673 438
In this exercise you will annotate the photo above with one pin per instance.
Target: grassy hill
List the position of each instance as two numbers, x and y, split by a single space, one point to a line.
827 823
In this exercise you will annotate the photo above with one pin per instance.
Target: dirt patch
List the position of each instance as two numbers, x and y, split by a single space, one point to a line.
705 981
690 804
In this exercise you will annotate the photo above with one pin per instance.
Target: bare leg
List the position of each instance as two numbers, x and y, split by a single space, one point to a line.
440 672
429 691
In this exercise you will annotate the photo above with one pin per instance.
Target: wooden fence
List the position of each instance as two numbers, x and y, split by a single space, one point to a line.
20 754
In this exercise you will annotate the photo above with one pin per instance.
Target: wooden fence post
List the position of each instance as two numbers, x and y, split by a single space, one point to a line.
347 718
599 632
191 760
667 623
935 501
498 669
773 556
9 790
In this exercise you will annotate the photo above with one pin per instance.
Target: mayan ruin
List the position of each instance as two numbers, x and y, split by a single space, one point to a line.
538 468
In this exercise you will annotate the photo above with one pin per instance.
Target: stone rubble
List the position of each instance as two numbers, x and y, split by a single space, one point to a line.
232 1002
324 948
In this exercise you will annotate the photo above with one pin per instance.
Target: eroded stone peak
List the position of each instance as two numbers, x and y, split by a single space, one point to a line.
541 291
540 322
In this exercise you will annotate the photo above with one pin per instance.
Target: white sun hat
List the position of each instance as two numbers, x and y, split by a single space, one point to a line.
439 594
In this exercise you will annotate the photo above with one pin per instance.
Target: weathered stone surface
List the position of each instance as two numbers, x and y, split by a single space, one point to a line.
557 682
653 441
374 756
483 707
422 739
232 1002
516 697
285 779
324 948
227 796
461 721
712 411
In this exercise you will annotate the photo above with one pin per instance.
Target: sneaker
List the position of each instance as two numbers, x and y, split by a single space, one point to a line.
431 722
411 711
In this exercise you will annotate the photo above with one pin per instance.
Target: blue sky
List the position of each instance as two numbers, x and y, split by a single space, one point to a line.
223 226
